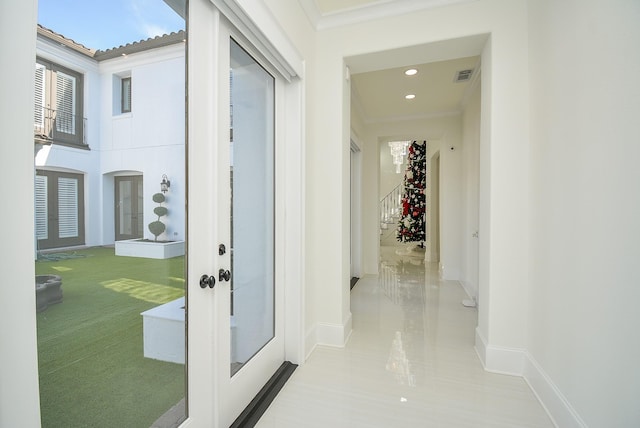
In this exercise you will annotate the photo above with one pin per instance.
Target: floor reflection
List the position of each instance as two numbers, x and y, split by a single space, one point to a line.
402 281
410 361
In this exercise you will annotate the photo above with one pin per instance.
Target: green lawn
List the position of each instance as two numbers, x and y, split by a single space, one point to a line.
92 371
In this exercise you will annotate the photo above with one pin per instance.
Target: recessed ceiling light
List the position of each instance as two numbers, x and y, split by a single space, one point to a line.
410 96
411 72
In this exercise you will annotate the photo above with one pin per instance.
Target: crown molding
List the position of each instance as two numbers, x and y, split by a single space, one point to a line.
311 10
376 10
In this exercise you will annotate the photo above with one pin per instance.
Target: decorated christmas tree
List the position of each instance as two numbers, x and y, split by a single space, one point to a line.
411 226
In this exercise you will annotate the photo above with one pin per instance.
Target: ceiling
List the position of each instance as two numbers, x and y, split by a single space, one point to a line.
325 14
380 95
379 84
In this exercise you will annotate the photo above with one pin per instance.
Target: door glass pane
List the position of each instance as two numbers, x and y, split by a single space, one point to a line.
111 318
124 207
129 203
252 207
140 209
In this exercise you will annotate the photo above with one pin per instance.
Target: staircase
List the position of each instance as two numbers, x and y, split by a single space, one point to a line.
390 209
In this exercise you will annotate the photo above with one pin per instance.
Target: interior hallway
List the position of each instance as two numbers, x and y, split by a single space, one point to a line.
410 362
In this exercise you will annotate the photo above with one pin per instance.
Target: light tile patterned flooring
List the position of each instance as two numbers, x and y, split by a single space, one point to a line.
410 362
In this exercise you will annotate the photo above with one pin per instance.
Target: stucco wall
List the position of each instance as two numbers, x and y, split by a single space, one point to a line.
69 159
149 141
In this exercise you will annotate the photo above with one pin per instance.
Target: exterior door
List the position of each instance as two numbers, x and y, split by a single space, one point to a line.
237 342
59 206
129 205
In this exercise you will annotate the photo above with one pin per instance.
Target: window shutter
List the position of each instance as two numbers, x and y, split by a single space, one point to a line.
38 118
65 103
42 231
67 207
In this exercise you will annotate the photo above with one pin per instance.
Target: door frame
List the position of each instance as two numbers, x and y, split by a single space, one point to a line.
53 224
355 207
134 192
204 88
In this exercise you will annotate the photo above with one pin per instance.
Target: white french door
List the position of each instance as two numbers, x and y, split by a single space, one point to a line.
235 275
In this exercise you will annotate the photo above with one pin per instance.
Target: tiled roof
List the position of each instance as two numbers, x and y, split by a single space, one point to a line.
56 37
142 45
129 48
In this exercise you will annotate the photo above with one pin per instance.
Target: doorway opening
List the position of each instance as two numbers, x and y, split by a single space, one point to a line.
440 119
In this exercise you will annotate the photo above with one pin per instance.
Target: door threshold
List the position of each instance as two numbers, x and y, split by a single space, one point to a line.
256 408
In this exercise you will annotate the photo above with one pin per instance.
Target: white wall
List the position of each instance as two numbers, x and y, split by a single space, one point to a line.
369 194
19 398
294 22
583 314
75 160
470 186
149 140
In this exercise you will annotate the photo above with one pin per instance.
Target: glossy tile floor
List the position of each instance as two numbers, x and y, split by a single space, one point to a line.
410 362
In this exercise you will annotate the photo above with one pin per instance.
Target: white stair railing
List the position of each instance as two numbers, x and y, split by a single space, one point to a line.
391 207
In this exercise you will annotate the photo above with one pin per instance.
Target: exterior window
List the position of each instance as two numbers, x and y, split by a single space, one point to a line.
65 103
58 104
125 95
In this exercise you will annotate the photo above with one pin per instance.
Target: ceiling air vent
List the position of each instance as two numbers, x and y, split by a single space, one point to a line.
463 76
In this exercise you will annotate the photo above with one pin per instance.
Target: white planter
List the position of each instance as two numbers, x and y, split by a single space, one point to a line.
163 332
149 249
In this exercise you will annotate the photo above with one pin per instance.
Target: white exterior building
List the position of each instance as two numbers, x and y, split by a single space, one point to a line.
102 148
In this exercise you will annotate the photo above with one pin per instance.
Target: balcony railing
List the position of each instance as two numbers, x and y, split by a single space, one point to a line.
55 126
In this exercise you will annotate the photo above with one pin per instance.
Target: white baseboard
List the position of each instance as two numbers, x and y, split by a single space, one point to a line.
499 359
327 334
470 289
518 362
554 402
448 273
310 342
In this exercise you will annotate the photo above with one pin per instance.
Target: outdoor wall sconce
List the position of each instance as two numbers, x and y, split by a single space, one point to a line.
165 184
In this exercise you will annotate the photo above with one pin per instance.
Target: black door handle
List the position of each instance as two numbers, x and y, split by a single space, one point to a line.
207 281
224 275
